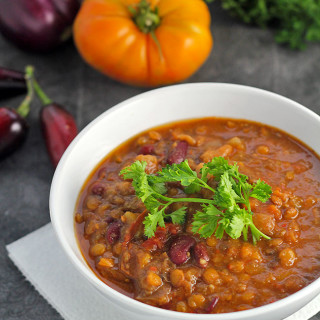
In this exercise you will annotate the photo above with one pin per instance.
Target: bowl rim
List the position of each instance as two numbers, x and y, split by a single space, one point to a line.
137 305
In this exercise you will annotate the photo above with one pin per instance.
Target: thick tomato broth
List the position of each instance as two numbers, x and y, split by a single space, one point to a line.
234 274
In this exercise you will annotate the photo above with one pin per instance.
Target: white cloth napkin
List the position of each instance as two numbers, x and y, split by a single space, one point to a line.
43 262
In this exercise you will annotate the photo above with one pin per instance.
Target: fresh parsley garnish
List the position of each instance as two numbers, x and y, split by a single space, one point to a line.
228 211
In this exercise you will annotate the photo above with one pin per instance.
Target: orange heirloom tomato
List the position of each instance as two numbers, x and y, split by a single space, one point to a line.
144 43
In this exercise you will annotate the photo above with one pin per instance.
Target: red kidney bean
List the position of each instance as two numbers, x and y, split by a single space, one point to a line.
179 251
113 231
179 153
147 149
98 189
102 172
201 255
212 304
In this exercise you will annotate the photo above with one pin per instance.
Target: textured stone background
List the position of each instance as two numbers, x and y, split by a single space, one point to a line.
242 54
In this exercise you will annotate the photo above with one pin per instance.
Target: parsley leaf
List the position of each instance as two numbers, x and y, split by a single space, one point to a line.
178 216
152 220
223 213
205 222
237 224
217 167
140 183
178 172
226 197
261 191
296 22
157 186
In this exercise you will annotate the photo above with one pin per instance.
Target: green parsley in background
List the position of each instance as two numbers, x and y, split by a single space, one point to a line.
296 22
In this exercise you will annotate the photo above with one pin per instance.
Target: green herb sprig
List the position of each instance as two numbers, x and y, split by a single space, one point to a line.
296 22
228 211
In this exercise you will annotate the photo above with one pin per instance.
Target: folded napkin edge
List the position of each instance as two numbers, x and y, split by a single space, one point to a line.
29 278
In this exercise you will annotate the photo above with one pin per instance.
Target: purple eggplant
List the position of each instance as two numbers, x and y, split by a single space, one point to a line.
59 129
12 83
13 126
13 131
58 125
37 25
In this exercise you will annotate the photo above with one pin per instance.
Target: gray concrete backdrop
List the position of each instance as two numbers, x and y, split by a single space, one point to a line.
242 54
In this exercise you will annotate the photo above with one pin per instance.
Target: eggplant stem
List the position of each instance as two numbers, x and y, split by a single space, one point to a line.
24 108
45 100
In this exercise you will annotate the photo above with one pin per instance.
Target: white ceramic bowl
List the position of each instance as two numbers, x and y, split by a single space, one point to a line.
152 109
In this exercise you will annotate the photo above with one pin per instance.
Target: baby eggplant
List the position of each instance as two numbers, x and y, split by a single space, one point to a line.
13 131
58 126
37 25
59 129
13 126
12 83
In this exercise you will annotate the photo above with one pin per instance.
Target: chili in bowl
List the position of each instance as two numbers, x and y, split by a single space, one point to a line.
195 201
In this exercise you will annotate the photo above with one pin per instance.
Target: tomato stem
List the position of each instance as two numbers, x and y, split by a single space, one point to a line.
24 108
146 18
155 39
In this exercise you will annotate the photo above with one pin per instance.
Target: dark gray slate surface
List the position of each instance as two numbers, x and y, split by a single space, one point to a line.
242 55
